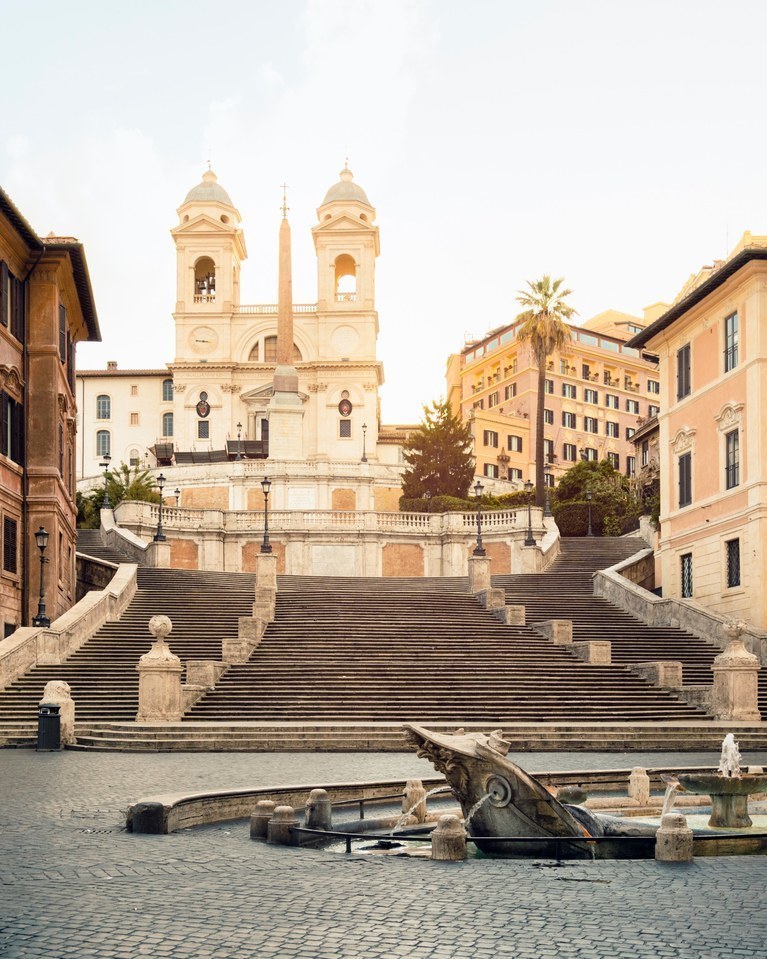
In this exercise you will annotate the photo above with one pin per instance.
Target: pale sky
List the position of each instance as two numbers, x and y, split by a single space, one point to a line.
619 145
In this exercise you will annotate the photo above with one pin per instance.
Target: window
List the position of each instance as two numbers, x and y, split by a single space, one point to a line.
270 349
167 391
591 396
730 342
733 562
493 399
631 466
653 410
568 420
614 460
62 333
612 401
612 429
133 457
510 391
590 454
564 369
569 391
491 470
569 452
345 429
10 545
732 467
514 443
548 417
548 450
103 443
686 575
490 438
590 424
203 429
685 480
11 429
61 451
134 419
632 406
167 424
653 386
12 296
5 294
586 372
548 386
134 389
683 372
103 407
645 452
515 474
478 405
630 431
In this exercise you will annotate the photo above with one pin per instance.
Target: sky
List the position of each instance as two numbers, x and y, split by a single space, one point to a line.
618 145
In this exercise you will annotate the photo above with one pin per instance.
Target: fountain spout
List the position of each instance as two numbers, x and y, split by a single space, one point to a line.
729 763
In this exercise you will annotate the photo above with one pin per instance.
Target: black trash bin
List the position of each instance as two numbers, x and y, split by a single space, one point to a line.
48 727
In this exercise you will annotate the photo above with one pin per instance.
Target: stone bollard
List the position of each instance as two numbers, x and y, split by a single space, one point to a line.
673 841
59 694
281 830
639 786
414 800
259 821
448 841
319 812
159 689
734 696
479 574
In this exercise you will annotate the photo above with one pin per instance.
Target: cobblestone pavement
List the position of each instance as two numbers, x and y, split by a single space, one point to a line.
74 884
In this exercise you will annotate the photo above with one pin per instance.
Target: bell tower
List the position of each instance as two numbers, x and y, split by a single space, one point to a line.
210 248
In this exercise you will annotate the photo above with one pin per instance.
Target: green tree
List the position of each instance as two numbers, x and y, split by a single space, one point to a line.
615 504
122 484
546 330
438 454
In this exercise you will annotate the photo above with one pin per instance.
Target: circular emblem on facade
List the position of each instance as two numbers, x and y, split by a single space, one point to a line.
345 408
203 407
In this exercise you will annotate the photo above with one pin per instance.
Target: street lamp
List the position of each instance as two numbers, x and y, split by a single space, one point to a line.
41 538
106 459
159 536
590 531
547 479
479 549
177 491
239 433
529 539
364 437
427 497
266 485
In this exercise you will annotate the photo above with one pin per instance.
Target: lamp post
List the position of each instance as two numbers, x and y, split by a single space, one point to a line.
364 438
590 531
41 538
479 549
106 459
177 491
547 478
239 434
159 536
529 539
427 497
266 485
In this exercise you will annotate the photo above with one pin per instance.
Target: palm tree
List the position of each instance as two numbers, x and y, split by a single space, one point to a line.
546 330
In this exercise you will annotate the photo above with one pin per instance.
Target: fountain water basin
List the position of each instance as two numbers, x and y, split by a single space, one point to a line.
729 796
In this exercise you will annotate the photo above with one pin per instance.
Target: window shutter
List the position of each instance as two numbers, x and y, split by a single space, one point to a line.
4 293
62 333
4 425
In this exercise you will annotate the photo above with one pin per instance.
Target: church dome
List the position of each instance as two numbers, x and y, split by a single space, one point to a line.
346 189
208 191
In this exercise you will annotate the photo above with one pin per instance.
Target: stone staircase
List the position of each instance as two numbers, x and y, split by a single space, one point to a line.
89 543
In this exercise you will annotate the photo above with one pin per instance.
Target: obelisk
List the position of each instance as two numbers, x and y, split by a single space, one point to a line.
285 412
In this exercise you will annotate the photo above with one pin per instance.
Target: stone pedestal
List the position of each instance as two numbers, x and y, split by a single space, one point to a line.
639 786
598 652
251 628
259 821
493 598
673 841
479 574
448 841
236 650
734 695
265 605
559 631
281 828
510 615
661 672
266 570
58 693
159 691
319 812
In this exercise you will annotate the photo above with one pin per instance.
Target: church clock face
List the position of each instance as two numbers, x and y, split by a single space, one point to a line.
203 340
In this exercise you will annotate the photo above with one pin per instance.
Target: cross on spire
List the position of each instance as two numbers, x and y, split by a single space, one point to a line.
285 206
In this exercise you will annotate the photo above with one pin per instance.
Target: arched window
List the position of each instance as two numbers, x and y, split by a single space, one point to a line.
270 351
133 457
103 443
167 424
103 407
205 280
167 391
346 278
254 353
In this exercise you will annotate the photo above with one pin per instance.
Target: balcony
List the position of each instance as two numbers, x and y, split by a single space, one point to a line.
346 297
204 297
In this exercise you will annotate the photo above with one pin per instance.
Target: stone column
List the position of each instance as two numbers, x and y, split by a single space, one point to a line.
259 821
159 691
479 574
639 786
673 841
448 841
734 696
